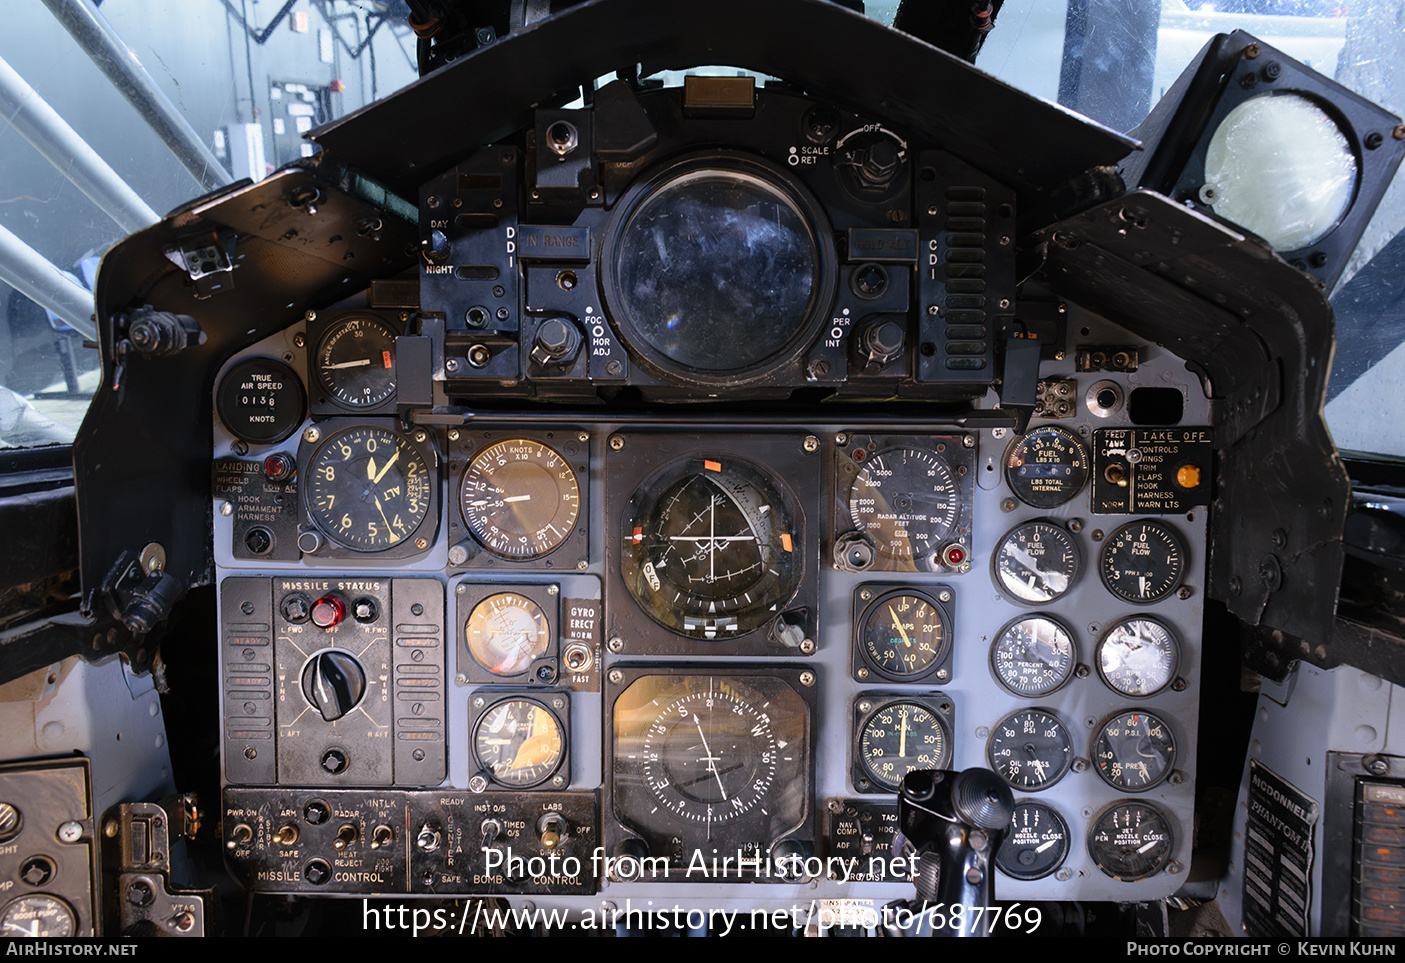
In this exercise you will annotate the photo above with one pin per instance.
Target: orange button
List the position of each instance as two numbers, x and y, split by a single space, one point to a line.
1188 476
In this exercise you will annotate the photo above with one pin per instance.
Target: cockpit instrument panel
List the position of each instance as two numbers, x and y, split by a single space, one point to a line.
703 644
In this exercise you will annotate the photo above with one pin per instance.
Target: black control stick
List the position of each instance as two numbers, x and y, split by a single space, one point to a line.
955 822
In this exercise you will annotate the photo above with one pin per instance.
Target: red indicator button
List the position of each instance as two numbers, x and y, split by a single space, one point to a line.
328 611
278 467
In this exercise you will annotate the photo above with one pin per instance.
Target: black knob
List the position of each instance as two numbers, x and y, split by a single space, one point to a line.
333 683
882 342
558 341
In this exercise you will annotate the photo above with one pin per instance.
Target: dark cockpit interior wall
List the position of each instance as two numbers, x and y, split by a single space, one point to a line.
589 488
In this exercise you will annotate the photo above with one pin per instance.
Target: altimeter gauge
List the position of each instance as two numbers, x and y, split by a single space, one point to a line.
368 489
906 501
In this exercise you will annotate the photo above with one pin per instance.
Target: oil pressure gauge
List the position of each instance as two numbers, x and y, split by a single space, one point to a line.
1030 749
1134 751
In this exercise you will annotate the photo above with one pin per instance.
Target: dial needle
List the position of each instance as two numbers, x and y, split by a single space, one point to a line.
364 362
371 470
384 519
902 736
711 762
898 623
381 474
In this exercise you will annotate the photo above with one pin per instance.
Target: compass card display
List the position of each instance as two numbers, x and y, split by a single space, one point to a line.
710 765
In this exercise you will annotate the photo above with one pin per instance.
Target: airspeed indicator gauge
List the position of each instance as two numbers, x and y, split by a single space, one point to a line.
520 498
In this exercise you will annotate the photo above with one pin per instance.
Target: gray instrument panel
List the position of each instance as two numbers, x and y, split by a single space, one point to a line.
580 651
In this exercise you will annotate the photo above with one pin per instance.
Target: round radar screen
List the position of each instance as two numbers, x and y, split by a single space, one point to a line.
716 266
711 547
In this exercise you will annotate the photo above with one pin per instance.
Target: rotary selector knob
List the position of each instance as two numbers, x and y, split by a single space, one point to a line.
558 341
333 683
882 341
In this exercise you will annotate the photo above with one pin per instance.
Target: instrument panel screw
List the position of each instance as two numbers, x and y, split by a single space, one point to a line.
451 365
1251 51
70 832
1082 671
861 672
582 565
583 437
1064 875
309 316
616 644
420 436
1176 778
965 567
865 595
1096 534
1178 685
943 674
461 589
807 646
968 440
1004 302
1399 132
944 596
616 442
1080 765
1075 525
1376 765
553 590
1008 505
311 435
1173 867
616 676
299 341
807 678
864 706
997 432
933 309
109 829
1185 592
841 439
453 434
432 200
421 543
227 509
811 444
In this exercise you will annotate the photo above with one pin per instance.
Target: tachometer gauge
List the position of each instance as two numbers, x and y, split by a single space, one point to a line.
897 738
1030 749
519 742
1138 656
710 549
902 635
1131 841
1037 562
718 762
906 501
1033 656
1046 466
1142 562
1037 843
506 633
37 915
368 489
520 498
1134 751
355 362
